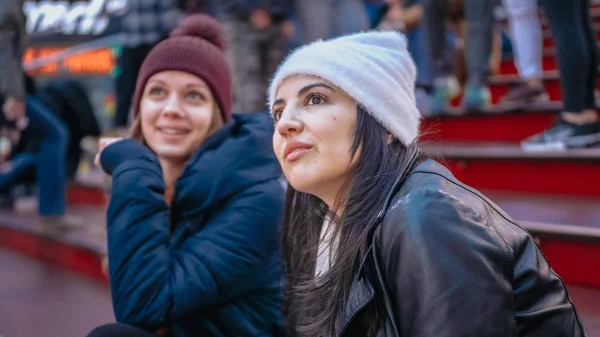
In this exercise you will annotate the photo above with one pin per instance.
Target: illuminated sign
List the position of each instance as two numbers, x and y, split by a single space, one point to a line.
96 62
91 17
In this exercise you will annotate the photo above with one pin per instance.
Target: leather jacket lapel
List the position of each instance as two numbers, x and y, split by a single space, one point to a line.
361 294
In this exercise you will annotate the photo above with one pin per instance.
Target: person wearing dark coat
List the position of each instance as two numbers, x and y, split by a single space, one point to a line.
379 240
196 201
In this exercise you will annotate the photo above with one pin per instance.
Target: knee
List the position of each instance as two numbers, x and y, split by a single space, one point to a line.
108 330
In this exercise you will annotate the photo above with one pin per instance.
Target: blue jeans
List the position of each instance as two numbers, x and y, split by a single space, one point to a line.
50 161
418 48
325 19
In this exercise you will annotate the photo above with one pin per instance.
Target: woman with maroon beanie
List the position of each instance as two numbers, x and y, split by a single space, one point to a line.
195 201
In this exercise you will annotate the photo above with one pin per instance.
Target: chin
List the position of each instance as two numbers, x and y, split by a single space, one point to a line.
172 152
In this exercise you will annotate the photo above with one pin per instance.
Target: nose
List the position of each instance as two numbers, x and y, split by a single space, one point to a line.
288 123
173 106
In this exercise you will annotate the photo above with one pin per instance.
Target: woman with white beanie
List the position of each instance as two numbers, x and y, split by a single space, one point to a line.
379 240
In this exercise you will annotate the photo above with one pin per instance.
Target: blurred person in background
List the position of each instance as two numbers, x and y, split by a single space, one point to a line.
479 17
526 37
196 204
324 19
13 37
27 112
256 32
146 23
577 126
406 16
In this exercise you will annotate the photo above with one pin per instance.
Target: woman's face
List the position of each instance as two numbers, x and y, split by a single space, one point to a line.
178 112
315 124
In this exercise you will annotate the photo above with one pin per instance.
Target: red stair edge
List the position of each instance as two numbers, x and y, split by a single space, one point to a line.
82 195
572 251
575 262
75 258
508 127
526 175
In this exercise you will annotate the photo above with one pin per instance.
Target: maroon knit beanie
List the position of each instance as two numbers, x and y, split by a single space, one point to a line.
197 47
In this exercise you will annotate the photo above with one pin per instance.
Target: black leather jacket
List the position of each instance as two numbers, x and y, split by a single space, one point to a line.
447 262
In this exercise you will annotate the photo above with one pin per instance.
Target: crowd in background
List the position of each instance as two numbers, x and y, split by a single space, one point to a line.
456 44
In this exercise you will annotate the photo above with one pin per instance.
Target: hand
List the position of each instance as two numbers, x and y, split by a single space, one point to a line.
260 19
103 143
287 29
14 109
395 13
105 265
5 148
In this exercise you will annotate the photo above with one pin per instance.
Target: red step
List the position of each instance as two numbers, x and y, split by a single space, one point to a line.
80 250
566 228
505 167
81 195
89 188
488 126
493 125
507 66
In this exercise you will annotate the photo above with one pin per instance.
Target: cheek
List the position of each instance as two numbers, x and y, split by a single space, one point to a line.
277 146
148 120
201 120
334 136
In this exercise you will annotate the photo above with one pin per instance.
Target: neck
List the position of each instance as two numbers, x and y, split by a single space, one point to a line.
171 172
331 197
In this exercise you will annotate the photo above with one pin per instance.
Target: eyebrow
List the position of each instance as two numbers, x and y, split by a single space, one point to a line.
157 81
201 85
189 85
314 85
305 89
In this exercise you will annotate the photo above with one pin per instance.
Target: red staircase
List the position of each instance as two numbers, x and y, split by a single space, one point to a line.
556 196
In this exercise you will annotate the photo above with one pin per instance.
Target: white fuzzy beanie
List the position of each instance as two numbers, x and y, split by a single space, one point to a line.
374 68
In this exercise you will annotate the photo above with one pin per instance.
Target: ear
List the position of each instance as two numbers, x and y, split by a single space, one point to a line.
390 138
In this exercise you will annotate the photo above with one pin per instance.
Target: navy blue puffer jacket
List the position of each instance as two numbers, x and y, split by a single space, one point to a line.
218 273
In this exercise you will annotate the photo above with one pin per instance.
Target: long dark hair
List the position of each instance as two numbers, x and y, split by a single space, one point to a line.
312 309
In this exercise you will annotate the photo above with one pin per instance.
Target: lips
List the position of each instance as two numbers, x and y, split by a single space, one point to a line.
293 150
173 131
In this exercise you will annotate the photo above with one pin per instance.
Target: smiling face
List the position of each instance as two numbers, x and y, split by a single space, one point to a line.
177 113
314 134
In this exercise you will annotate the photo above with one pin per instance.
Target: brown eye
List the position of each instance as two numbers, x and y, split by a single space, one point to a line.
315 99
277 114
